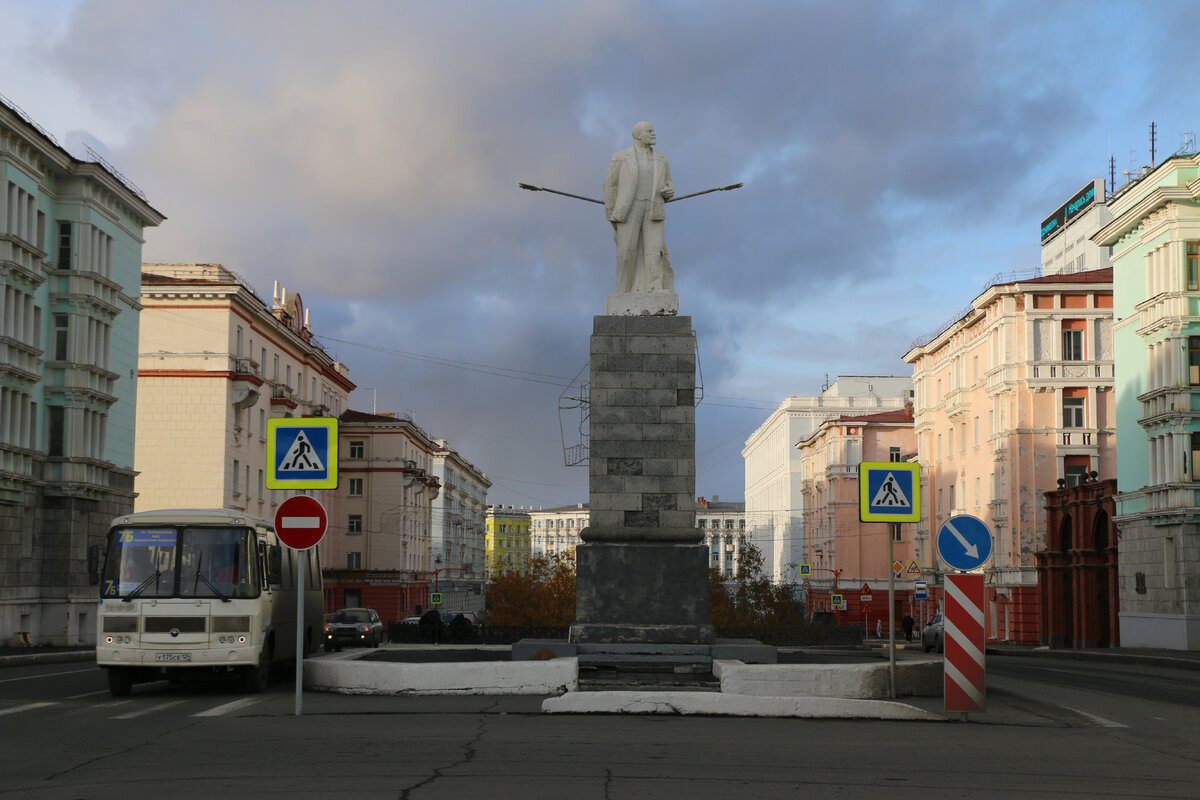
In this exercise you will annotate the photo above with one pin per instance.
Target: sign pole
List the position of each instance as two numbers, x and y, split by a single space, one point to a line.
892 528
301 568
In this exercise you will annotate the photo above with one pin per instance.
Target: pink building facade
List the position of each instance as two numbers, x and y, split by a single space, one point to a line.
1014 397
842 550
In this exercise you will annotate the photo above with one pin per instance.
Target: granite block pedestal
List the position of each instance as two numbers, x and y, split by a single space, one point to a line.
642 569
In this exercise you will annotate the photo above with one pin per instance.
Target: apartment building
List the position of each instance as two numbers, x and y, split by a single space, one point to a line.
378 548
1155 239
459 534
509 547
1010 399
215 362
774 501
723 526
555 531
843 552
71 235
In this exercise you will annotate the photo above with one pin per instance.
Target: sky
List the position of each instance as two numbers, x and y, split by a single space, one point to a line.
897 157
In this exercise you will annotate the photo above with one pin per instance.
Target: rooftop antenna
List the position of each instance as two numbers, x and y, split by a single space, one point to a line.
1152 143
1189 142
1112 175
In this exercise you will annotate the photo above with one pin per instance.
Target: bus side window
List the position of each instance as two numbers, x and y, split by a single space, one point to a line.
274 564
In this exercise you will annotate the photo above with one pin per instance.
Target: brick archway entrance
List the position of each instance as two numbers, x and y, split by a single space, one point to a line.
1077 570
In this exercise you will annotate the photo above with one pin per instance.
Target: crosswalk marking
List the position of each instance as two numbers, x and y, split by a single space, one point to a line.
227 708
26 707
148 710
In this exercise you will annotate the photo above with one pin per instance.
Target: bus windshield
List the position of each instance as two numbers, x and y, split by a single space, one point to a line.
183 561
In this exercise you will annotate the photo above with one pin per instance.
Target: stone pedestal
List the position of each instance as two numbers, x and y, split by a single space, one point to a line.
642 570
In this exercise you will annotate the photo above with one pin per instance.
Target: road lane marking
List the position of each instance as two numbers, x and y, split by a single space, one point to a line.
227 708
1101 721
47 675
26 707
148 710
88 694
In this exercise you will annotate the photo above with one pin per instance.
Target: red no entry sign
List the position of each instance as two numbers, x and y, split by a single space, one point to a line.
300 522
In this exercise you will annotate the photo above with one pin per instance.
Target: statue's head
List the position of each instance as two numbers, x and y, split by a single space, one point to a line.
643 132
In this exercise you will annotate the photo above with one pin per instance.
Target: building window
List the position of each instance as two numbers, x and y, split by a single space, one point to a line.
1192 275
61 337
237 472
893 454
1073 406
1075 469
1194 360
354 523
1072 337
357 449
701 523
54 430
353 561
356 487
64 245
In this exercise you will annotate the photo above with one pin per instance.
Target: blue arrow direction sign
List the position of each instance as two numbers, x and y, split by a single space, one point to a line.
964 542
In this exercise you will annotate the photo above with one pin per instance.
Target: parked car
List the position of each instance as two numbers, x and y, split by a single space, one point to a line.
933 637
354 626
469 616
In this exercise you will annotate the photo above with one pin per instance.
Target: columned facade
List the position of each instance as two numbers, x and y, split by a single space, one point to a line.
70 253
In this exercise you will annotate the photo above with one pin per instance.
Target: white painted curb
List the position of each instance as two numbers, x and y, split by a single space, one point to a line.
720 704
345 676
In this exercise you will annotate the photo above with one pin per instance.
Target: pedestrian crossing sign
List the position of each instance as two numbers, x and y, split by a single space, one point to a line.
889 491
302 453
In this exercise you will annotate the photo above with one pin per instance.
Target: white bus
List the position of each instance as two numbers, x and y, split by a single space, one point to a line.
185 591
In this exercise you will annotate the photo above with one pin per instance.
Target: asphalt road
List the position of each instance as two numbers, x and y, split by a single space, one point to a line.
1052 729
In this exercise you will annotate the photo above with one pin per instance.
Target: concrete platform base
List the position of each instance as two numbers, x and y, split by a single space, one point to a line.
720 704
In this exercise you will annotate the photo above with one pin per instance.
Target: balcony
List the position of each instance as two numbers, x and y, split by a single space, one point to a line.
283 395
1172 498
1057 374
1167 405
957 403
1078 437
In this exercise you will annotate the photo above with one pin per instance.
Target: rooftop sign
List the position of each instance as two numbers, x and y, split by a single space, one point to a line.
1082 200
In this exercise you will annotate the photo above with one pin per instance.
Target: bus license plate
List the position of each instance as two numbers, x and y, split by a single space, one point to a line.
173 657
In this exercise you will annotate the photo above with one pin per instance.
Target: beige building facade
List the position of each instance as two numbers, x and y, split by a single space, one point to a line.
774 502
215 362
1010 399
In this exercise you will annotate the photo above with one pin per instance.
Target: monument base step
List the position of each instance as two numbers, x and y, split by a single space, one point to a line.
645 677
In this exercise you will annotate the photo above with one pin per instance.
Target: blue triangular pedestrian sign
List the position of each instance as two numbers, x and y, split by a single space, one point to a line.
301 457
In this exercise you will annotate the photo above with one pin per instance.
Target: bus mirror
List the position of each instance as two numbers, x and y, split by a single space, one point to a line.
274 564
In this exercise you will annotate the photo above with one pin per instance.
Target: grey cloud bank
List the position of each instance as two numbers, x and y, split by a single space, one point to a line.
895 156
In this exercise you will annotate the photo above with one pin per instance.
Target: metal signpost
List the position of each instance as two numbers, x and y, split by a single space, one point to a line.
890 491
300 523
965 543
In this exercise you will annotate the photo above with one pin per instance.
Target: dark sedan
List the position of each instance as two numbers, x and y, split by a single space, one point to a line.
353 626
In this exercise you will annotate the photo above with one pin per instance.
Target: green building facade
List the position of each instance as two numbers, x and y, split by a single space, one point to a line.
1155 241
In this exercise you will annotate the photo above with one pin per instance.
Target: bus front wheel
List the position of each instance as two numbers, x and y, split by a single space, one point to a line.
255 679
120 681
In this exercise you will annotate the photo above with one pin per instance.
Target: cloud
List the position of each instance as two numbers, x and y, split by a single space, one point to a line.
893 154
